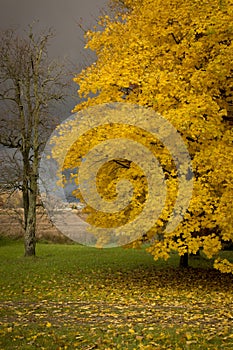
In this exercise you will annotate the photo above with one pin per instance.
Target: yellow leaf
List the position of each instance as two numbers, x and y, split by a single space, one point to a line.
131 331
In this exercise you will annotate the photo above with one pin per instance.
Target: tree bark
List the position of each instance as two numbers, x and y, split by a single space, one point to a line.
29 237
30 227
184 260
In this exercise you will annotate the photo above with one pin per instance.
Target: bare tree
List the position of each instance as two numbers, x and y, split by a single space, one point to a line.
29 85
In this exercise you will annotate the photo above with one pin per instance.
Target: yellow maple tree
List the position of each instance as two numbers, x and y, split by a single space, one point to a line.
175 58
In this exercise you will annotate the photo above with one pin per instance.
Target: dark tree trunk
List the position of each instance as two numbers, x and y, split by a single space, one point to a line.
30 226
184 259
30 231
29 239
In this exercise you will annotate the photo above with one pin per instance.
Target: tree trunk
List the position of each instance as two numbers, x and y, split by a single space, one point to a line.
184 260
30 227
30 237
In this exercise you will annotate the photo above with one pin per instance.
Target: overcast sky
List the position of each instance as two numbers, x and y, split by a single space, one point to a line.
62 15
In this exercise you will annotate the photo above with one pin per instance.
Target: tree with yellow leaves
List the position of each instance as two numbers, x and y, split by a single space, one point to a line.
175 58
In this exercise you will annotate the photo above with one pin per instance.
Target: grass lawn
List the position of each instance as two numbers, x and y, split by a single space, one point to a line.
74 297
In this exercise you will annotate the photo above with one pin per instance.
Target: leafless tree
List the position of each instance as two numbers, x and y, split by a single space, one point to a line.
29 85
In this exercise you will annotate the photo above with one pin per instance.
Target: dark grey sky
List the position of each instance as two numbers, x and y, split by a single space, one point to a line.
62 15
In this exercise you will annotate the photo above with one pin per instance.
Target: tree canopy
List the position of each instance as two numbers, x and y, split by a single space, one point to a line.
176 58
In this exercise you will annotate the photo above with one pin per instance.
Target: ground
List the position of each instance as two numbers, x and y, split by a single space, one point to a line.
74 297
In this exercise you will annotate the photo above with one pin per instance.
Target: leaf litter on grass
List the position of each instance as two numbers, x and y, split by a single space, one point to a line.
131 307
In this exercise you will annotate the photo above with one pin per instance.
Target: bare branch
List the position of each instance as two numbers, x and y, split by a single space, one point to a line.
30 84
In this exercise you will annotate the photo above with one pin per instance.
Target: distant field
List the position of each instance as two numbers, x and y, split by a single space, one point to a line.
10 226
74 297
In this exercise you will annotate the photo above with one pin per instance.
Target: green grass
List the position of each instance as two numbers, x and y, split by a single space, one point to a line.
74 297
